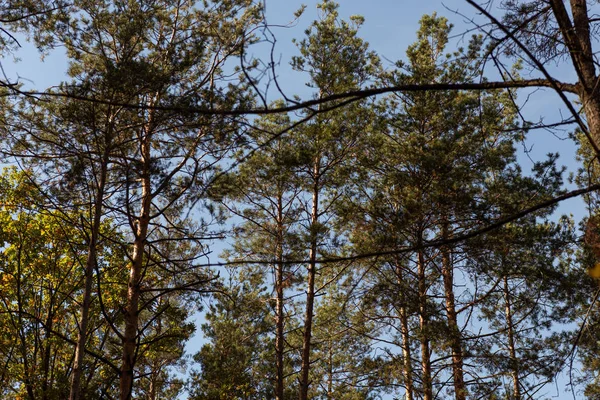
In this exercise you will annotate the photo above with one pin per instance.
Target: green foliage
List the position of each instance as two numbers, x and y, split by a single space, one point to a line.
444 163
40 275
346 366
333 55
383 176
236 362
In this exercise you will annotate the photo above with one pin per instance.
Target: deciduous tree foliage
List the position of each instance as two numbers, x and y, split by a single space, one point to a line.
40 273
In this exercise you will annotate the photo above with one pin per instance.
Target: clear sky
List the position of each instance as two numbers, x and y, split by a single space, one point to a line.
390 26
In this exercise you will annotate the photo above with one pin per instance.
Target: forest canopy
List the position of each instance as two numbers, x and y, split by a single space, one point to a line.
385 233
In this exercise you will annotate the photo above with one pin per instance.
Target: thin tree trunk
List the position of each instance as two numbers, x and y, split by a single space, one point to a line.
330 371
406 351
135 274
310 291
460 390
46 360
90 263
406 354
152 390
514 366
423 324
279 325
25 349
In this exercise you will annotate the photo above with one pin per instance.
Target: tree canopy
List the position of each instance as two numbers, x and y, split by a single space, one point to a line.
388 233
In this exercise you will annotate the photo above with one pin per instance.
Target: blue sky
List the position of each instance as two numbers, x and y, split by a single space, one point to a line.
389 27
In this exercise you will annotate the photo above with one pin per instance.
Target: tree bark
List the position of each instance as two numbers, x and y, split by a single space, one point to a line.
90 263
577 38
310 290
330 370
424 325
406 351
20 326
130 335
514 366
460 390
47 358
279 323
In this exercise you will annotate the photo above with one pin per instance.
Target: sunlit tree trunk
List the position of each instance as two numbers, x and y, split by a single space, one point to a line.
75 392
404 331
510 332
279 317
130 335
460 391
25 349
47 357
310 289
424 327
577 37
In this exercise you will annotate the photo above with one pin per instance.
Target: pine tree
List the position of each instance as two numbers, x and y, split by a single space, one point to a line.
336 60
237 362
264 193
436 158
584 307
158 53
345 365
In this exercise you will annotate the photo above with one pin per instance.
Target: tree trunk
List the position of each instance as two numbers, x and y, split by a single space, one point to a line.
310 291
406 354
279 323
406 351
130 335
585 58
20 327
46 360
152 389
423 325
330 370
577 38
514 366
460 390
90 263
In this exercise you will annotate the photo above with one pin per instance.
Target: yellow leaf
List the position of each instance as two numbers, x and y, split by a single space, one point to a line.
595 271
